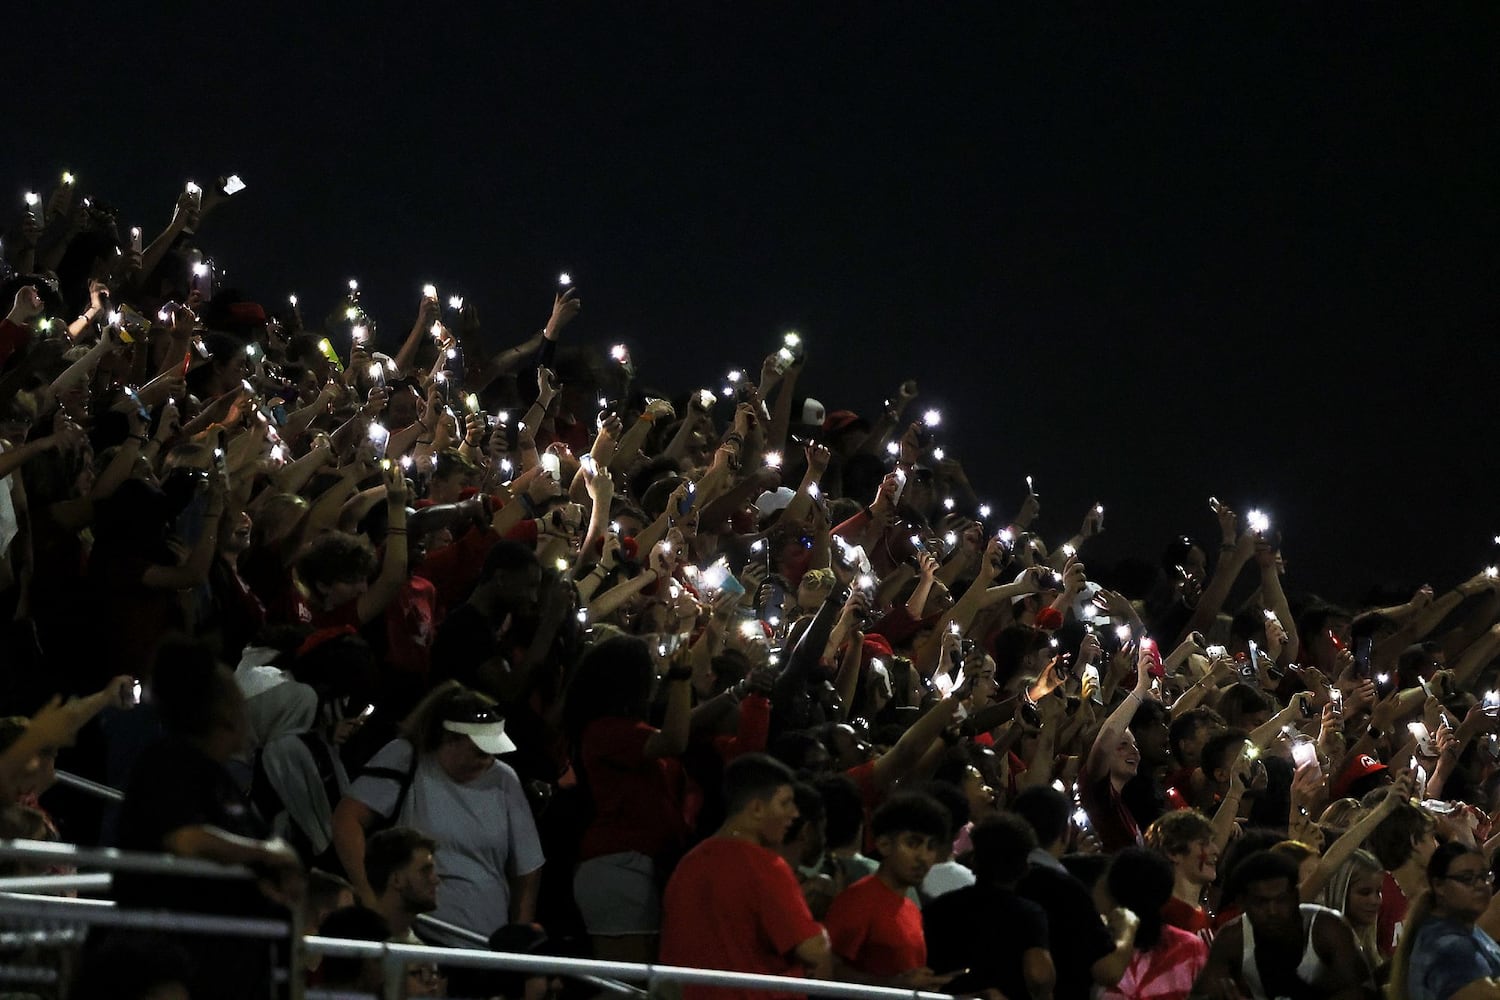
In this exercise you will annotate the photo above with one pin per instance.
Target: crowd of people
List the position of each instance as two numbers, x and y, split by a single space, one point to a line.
723 677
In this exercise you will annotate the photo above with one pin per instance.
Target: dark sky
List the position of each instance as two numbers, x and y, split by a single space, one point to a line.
1142 257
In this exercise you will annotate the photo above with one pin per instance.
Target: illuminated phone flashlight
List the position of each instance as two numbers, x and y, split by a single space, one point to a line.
892 448
472 402
67 177
759 545
113 319
752 630
429 291
193 189
564 278
955 629
813 491
353 284
1491 572
1497 539
351 313
951 539
1123 633
1081 818
135 688
932 418
1492 699
792 339
666 548
440 376
865 582
620 354
705 399
1029 488
1382 678
773 459
455 302
200 269
947 503
1069 550
377 371
452 353
1251 751
1258 521
1006 537
436 330
505 466
1099 509
360 333
984 511
278 453
292 299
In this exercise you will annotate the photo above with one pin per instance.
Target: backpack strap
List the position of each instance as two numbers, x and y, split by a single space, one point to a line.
403 780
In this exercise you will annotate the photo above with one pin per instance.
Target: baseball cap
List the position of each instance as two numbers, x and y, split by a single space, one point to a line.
1360 767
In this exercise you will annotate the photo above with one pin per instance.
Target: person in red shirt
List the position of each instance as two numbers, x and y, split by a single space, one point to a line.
1404 841
1112 761
875 930
335 568
733 903
631 773
1186 838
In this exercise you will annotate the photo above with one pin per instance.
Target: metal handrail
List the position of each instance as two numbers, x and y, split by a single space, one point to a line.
474 937
96 882
396 956
107 792
112 859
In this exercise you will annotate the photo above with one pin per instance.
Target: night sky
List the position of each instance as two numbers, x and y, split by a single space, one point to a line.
1144 258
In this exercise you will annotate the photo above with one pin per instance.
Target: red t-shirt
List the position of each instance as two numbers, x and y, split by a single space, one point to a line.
734 905
1190 918
454 569
1113 824
877 930
637 799
411 620
1393 904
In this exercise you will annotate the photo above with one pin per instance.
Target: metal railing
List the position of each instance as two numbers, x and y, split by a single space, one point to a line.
50 912
106 792
394 958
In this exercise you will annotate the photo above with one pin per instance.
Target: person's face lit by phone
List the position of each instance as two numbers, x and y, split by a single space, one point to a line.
402 406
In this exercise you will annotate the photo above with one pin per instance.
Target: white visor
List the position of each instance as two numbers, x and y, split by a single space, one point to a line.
487 736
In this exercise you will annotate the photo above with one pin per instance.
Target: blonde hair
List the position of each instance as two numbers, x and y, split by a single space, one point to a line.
1335 896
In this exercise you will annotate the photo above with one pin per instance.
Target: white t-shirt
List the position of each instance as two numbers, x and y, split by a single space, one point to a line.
944 877
480 827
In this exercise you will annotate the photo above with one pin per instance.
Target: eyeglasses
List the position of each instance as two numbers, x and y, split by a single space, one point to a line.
1474 880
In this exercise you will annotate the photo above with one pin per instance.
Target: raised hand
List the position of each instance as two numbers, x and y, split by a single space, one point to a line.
565 306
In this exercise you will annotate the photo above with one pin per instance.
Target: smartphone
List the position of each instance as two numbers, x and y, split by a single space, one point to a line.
1091 674
231 185
135 240
219 462
589 464
686 503
1305 703
1304 752
1362 649
369 710
140 408
135 693
552 466
1153 667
